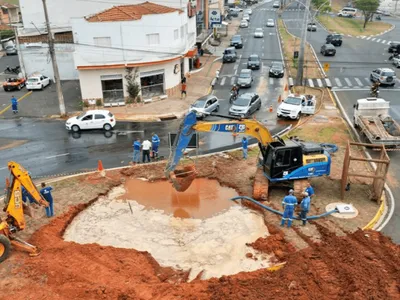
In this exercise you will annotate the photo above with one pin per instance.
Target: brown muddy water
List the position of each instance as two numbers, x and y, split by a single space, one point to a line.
203 199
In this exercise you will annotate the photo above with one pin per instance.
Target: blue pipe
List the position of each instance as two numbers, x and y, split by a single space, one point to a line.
270 209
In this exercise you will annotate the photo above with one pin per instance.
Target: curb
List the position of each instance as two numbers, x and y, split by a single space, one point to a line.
379 216
379 34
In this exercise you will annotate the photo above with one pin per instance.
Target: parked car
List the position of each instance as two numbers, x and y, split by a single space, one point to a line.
328 49
205 105
245 105
236 41
276 4
233 14
311 27
393 47
244 24
230 55
237 9
270 23
91 119
277 69
258 33
335 39
11 50
246 17
37 82
253 62
13 84
248 11
384 76
245 78
344 14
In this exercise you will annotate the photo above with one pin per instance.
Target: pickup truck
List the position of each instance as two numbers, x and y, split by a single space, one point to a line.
294 105
372 118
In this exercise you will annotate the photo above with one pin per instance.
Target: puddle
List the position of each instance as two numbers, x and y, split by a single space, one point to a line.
216 245
203 199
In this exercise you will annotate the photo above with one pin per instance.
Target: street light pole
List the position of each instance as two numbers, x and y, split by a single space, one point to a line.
300 65
54 62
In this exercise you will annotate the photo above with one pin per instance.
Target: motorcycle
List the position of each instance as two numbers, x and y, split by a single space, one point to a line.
232 97
15 70
374 92
378 18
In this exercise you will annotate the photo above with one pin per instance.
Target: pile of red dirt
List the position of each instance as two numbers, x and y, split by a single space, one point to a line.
362 265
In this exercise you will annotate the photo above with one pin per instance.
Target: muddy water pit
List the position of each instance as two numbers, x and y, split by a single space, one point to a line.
198 230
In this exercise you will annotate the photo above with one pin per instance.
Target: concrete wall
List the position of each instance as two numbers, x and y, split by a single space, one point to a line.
131 35
91 83
37 59
60 11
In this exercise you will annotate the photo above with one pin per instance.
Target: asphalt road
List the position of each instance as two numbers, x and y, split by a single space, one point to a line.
355 59
348 99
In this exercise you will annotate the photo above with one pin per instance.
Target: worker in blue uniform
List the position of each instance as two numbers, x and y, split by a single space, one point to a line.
46 193
305 207
309 190
288 203
155 142
26 196
245 144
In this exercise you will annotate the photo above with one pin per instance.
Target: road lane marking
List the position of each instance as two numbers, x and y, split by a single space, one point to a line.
363 37
383 41
373 39
271 81
378 40
358 81
58 155
232 80
389 42
20 99
368 38
3 168
338 83
310 83
348 81
319 81
223 81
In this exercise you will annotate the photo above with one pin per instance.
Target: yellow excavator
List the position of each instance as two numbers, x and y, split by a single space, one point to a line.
14 209
291 160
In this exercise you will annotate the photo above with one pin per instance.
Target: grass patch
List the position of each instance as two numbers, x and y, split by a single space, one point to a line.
337 5
352 26
291 44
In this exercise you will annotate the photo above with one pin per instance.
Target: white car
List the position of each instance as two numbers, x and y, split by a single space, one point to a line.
248 11
270 23
258 33
276 4
344 14
246 17
244 24
396 62
92 119
37 82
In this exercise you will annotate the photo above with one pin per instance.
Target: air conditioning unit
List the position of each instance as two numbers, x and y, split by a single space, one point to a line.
193 3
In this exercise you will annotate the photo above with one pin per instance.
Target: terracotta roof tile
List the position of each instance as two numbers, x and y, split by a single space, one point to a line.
130 12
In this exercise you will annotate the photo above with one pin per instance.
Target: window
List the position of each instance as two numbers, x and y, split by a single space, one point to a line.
99 117
102 41
87 118
153 39
176 34
283 158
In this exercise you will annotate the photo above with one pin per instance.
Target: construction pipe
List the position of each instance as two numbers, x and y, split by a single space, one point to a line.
270 209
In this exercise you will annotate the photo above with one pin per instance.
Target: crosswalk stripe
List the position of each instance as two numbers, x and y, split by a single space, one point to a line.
373 39
328 82
338 83
271 80
319 82
363 37
368 38
383 41
378 40
223 81
233 80
348 81
310 83
358 81
389 42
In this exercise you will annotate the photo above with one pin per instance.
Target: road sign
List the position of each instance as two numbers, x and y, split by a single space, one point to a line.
217 25
214 17
326 67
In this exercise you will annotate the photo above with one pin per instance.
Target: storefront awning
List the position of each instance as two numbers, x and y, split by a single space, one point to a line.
192 52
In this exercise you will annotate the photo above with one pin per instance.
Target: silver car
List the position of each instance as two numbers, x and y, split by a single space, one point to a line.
383 76
205 105
245 105
245 78
11 50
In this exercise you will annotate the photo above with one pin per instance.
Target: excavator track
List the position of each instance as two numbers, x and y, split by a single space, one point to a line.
299 186
260 186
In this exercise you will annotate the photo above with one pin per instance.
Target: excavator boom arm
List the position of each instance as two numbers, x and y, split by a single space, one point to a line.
190 125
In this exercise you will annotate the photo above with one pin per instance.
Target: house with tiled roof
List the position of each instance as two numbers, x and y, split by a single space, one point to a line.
156 41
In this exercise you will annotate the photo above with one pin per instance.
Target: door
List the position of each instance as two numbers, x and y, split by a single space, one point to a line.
252 105
99 121
86 122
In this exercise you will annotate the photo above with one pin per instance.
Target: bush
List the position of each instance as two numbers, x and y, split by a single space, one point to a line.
99 102
132 85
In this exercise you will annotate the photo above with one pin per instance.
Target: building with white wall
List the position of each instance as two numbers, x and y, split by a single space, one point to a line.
33 40
155 40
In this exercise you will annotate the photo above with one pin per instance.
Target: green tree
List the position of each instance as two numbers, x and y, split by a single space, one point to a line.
321 5
132 84
368 8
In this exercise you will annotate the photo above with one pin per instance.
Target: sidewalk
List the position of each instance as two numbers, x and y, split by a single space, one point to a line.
198 84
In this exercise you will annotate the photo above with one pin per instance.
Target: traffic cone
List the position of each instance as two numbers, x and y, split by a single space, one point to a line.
286 88
279 99
100 168
271 109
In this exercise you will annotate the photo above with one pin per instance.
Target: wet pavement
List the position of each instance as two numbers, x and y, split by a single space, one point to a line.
49 149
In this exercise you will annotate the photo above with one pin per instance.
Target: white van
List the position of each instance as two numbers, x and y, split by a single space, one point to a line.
347 12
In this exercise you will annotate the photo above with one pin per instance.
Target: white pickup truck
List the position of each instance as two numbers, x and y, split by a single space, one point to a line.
371 116
294 105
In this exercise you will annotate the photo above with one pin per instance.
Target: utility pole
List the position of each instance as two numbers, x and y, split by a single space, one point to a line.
54 62
300 65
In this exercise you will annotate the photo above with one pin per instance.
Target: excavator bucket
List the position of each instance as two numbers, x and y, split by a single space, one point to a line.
183 178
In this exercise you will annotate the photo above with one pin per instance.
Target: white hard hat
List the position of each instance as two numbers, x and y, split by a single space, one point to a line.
305 194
